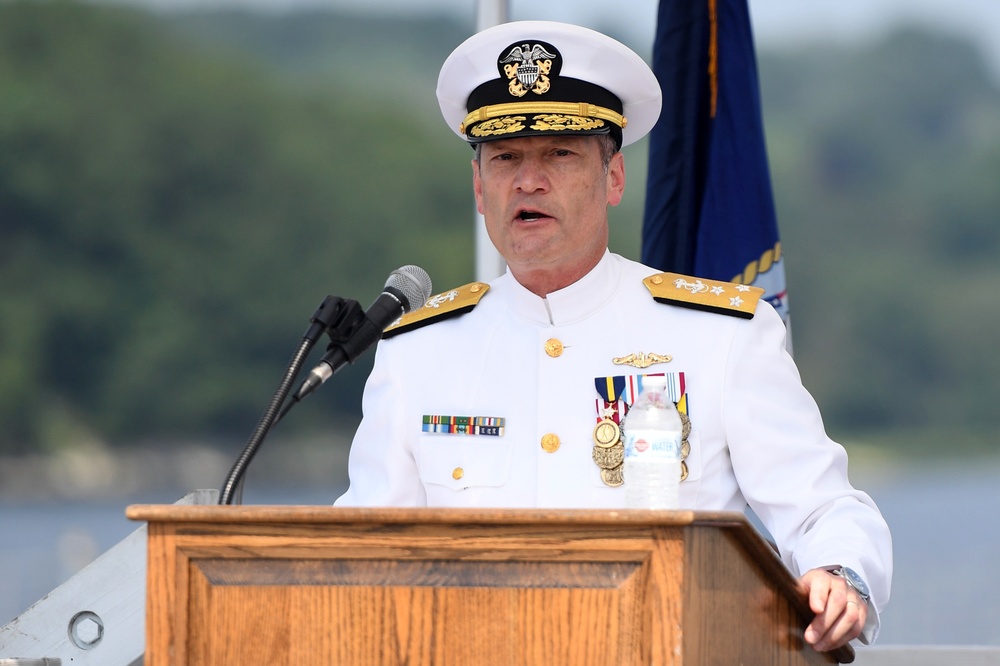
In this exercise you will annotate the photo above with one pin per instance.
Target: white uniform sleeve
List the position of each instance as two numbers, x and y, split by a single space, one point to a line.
791 473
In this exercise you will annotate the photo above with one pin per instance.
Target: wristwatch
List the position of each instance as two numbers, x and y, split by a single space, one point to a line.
851 577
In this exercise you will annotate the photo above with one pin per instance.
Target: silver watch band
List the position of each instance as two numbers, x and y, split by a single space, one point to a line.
855 581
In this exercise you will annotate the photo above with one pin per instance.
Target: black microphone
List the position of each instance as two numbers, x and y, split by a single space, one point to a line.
407 288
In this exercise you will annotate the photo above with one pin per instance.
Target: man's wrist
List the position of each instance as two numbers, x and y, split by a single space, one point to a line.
853 580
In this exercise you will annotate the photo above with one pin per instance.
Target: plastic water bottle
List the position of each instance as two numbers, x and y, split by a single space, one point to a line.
652 436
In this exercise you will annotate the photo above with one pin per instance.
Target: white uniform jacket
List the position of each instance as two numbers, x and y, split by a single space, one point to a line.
757 437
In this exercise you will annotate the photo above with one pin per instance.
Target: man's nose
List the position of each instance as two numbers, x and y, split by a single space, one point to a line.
531 176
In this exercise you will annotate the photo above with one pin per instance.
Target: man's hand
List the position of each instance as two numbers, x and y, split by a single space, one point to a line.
840 612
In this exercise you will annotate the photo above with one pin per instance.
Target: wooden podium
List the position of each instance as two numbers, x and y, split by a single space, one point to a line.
323 585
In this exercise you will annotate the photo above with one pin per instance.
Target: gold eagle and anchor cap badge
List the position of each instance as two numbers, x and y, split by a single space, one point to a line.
532 78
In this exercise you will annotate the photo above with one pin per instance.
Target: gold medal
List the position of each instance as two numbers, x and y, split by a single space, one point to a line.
685 425
684 470
607 433
612 477
609 458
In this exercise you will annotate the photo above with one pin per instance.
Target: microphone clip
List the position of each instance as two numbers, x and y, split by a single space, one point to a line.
333 314
348 339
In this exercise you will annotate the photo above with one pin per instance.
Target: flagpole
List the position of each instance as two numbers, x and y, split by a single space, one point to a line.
489 263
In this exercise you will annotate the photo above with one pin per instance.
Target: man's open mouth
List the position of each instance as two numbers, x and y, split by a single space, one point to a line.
531 215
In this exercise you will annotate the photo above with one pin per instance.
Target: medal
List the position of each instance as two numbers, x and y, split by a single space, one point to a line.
609 458
606 433
612 477
609 452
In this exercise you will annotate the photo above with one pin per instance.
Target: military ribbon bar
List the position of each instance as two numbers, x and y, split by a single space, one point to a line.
492 426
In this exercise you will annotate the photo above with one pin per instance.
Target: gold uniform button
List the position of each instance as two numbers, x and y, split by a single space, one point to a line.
550 443
458 473
657 279
553 348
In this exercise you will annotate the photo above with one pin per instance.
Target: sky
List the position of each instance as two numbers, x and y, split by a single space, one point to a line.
777 23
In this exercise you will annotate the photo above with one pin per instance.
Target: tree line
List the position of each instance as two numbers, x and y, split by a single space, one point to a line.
179 191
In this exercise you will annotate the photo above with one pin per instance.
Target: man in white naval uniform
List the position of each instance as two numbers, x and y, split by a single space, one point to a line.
490 395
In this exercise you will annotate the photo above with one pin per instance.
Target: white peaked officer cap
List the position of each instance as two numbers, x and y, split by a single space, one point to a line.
531 78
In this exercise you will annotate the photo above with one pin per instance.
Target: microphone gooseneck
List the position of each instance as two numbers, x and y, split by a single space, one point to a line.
352 332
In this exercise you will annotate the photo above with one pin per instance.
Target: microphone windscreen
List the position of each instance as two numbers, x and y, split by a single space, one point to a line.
413 283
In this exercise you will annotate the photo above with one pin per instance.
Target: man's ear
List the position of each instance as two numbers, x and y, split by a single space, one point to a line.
477 186
616 179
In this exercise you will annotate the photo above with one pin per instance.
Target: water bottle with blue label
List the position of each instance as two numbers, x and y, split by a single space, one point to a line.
652 437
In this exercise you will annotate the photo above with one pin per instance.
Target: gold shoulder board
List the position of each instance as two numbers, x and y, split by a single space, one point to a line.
738 300
442 306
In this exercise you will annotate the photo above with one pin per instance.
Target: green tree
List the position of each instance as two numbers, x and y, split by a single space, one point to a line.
171 218
884 164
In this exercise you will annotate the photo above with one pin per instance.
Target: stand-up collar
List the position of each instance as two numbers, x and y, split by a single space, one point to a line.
573 303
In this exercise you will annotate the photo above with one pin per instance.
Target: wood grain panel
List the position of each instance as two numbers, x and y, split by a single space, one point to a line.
423 573
416 613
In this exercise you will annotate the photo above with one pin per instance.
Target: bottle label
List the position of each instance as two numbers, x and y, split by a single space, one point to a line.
653 443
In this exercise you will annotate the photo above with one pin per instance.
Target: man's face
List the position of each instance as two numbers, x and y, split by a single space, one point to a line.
545 203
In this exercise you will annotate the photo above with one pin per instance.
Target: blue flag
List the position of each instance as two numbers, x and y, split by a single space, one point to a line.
709 206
